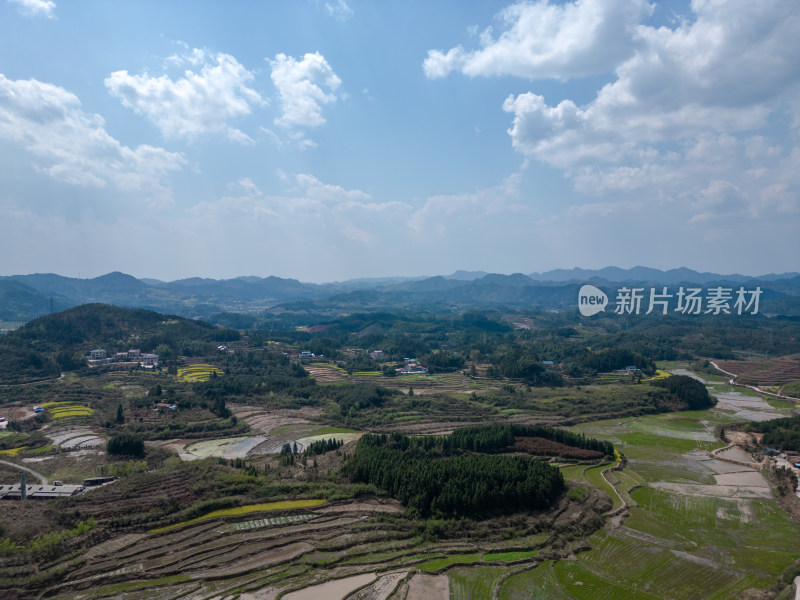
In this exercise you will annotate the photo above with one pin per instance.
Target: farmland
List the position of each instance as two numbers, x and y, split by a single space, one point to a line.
678 530
197 372
764 372
225 503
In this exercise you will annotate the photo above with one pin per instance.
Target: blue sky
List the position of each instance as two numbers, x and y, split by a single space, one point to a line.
331 139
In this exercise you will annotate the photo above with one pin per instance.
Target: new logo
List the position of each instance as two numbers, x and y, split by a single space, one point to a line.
591 300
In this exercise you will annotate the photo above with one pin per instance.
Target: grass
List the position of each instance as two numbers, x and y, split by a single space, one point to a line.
467 583
535 584
46 449
245 510
509 556
327 430
583 584
433 566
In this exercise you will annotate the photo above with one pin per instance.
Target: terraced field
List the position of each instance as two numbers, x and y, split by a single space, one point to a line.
63 410
765 372
276 551
197 372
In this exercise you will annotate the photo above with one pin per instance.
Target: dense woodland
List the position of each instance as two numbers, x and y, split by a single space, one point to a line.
431 484
494 438
689 390
443 342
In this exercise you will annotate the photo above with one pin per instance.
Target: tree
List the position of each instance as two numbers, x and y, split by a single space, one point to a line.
126 444
120 415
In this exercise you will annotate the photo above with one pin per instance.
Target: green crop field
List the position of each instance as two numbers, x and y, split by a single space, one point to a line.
437 564
467 583
245 510
199 372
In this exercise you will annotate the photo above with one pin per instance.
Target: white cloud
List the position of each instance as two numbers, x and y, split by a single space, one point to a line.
697 116
200 102
541 40
457 214
36 8
339 10
722 73
303 87
313 188
73 146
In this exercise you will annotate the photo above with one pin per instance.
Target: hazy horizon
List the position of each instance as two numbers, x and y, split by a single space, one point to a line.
400 275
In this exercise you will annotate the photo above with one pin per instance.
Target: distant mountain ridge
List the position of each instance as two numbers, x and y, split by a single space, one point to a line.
24 297
647 274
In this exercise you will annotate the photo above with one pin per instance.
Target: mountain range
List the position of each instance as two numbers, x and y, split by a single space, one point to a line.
24 297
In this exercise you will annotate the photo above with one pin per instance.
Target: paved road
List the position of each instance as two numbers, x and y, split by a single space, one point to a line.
41 477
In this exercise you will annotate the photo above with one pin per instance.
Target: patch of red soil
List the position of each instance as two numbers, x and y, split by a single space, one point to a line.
545 447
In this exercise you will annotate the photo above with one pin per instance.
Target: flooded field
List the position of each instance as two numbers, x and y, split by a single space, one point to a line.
750 408
337 589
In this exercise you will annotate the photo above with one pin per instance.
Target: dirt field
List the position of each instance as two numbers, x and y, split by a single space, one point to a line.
428 587
333 590
374 505
324 374
544 447
773 371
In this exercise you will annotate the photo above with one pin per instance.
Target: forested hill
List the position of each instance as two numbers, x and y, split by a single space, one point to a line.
59 342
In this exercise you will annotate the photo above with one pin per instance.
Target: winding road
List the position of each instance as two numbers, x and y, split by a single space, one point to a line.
41 477
752 387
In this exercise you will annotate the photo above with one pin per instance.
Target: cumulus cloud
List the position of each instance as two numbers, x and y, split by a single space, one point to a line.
203 101
36 8
542 40
304 86
72 146
724 72
697 114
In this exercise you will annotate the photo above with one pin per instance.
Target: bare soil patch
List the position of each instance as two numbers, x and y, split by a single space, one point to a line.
428 587
544 447
381 589
336 589
323 374
374 505
741 438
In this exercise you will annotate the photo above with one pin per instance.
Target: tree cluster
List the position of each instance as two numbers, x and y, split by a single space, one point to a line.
493 438
782 434
687 389
322 446
453 486
126 444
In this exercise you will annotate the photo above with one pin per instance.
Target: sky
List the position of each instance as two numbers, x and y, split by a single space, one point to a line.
325 140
